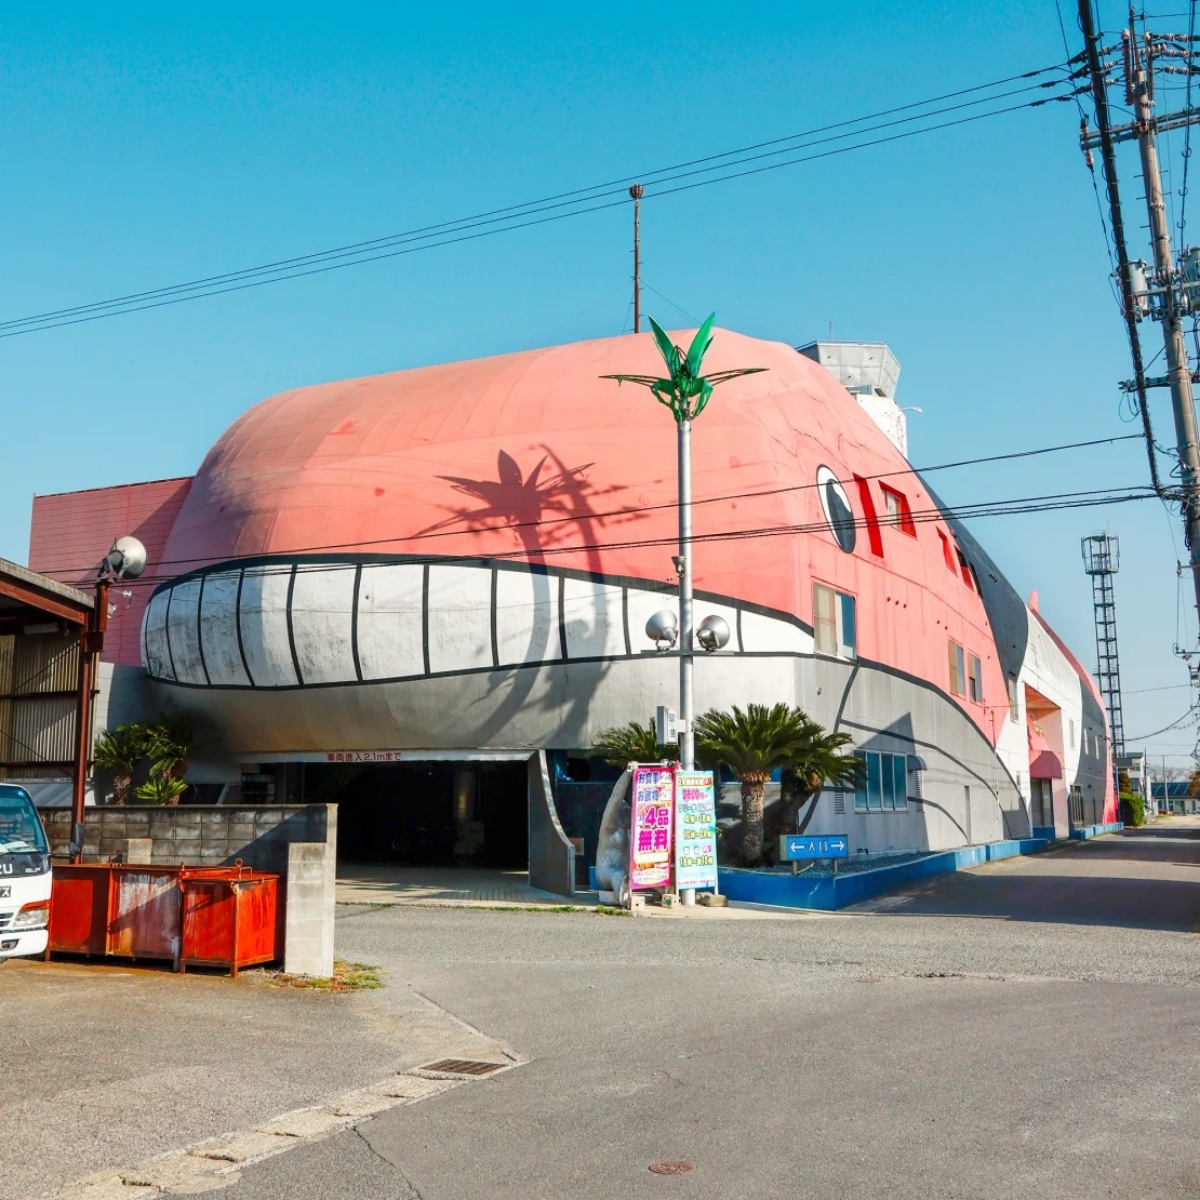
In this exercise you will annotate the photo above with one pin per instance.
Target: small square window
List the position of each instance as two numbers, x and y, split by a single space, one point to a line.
835 623
900 771
885 786
957 670
975 679
824 619
847 627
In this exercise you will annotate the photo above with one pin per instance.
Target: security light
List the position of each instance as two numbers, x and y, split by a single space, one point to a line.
712 633
663 629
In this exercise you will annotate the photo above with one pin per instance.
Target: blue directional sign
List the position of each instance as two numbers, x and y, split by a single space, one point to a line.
796 847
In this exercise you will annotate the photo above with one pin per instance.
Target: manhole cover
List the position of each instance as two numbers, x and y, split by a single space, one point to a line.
672 1168
463 1066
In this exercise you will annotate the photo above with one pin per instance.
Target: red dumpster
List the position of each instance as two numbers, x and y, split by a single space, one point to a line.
79 908
214 916
144 912
230 918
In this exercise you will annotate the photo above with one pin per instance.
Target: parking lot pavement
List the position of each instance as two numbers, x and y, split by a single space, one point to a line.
910 1050
873 1056
107 1066
1137 879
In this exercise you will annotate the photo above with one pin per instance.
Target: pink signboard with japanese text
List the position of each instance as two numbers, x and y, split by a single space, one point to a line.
652 811
695 830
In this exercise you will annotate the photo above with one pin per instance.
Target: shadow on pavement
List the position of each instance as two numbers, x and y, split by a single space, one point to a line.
1160 904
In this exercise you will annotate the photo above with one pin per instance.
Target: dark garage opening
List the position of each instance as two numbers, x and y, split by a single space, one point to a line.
427 814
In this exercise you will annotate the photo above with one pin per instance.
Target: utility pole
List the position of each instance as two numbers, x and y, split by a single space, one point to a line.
1139 83
637 192
1161 293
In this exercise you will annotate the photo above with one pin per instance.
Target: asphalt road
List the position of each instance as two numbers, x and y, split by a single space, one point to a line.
1032 1028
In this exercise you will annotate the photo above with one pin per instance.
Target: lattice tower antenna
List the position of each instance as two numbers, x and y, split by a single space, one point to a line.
1102 560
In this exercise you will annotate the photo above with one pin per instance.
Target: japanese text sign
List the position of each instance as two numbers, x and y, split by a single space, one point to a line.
695 830
652 810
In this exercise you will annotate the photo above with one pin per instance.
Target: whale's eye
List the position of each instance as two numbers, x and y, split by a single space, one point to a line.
836 506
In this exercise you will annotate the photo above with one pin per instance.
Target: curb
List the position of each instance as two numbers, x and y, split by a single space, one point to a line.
828 894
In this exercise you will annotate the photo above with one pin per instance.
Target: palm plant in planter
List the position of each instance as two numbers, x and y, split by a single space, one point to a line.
119 751
633 743
753 744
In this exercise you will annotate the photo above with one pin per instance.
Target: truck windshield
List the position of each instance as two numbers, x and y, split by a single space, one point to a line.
20 828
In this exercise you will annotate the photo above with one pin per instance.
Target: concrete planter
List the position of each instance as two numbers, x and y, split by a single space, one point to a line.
829 893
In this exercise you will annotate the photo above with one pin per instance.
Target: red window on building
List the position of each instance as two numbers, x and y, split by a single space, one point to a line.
947 553
965 568
899 513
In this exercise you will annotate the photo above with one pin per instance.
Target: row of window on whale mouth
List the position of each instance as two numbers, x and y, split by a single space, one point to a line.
285 624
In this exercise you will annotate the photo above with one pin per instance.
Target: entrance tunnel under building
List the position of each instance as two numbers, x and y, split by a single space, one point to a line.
425 814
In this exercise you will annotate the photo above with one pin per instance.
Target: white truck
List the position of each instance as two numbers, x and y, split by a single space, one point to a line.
24 875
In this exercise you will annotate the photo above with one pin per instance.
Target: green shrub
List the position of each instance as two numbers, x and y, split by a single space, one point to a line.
1133 808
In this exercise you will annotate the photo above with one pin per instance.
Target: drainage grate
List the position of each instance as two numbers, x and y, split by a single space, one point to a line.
463 1066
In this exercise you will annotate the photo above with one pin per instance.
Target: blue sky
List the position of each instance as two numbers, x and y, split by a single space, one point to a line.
145 145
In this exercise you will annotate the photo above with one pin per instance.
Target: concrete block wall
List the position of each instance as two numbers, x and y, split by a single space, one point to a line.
297 841
197 835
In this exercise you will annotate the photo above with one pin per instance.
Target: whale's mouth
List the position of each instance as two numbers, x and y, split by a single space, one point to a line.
274 623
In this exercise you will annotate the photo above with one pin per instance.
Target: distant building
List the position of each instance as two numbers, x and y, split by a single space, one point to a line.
1173 798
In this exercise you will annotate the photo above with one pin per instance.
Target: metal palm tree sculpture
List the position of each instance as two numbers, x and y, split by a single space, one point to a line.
686 392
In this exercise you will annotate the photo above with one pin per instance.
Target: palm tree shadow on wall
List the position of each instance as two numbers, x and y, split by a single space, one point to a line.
549 507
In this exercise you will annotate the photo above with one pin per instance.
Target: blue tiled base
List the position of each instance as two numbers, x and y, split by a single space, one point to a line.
1085 832
830 893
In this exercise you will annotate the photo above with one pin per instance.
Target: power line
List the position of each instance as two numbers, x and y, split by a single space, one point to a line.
578 195
1143 737
577 203
914 472
1055 502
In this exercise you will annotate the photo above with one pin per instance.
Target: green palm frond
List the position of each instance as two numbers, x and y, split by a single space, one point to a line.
761 740
122 748
700 345
671 353
161 789
686 393
633 743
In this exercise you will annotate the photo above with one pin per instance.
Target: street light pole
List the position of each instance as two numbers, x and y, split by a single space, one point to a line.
687 662
686 393
687 695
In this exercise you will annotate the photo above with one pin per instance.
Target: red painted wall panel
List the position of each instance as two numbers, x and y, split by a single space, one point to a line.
72 531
